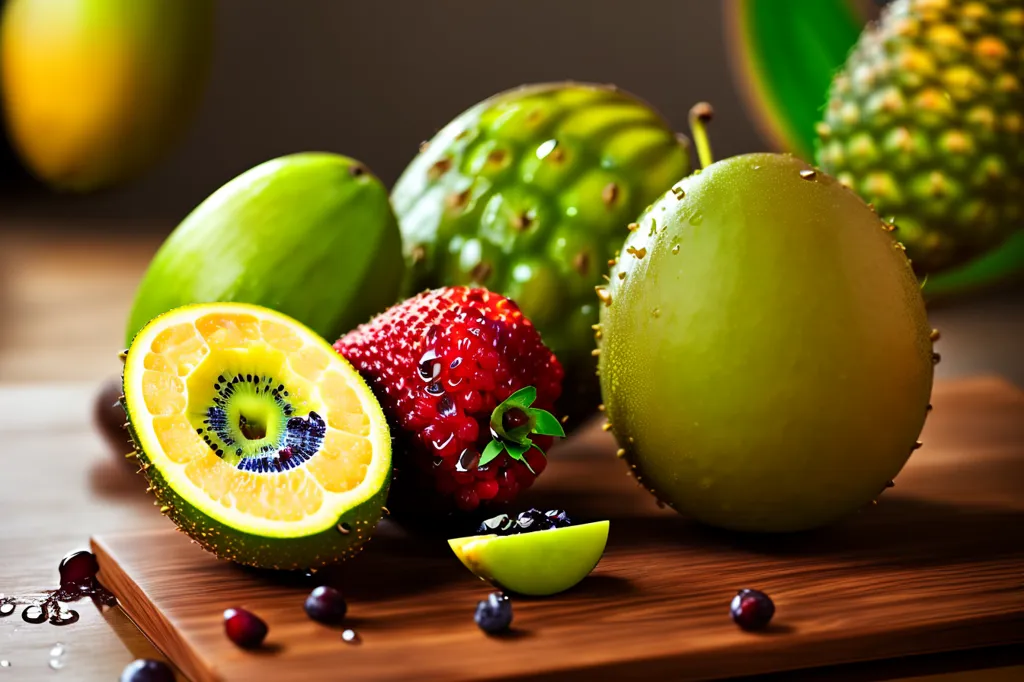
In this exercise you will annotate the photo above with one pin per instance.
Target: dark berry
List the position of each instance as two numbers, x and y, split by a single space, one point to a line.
110 418
245 629
532 520
326 605
147 670
752 609
559 518
78 571
494 614
513 419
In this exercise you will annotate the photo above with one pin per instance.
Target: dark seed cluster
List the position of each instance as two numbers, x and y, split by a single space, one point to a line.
528 521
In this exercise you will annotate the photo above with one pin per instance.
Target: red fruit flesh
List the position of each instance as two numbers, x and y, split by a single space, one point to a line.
439 363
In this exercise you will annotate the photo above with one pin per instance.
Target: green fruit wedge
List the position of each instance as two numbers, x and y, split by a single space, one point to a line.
309 235
538 564
528 194
258 440
765 357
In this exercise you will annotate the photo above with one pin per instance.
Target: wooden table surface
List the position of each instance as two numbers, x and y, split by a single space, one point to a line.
63 299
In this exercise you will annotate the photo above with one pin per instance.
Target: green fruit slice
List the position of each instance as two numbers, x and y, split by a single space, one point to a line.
538 564
309 235
258 440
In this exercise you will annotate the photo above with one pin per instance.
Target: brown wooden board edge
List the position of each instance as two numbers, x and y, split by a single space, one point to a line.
758 657
150 619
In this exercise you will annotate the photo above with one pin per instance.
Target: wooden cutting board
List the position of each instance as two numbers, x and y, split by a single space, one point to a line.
937 564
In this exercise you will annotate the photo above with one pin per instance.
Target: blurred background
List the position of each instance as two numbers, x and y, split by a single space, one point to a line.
371 80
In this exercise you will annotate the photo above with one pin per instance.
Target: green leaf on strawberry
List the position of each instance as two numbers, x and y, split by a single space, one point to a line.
513 421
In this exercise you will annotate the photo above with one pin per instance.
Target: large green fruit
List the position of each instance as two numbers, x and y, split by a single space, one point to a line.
310 235
926 122
527 194
97 90
765 357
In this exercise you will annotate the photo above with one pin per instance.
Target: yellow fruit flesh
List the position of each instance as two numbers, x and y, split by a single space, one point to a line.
173 366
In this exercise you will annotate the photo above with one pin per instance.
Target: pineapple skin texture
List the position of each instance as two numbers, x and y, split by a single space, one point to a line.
926 123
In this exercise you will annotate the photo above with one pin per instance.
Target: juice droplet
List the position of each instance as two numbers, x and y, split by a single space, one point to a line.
350 636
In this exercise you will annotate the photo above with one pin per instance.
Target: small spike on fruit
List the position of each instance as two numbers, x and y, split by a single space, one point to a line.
935 335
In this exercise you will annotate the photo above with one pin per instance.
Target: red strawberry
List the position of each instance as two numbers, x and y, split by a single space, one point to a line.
467 384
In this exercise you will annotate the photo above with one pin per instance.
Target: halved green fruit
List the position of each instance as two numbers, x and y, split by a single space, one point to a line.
259 441
538 564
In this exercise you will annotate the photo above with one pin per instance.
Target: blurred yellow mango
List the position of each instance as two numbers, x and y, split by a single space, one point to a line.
94 91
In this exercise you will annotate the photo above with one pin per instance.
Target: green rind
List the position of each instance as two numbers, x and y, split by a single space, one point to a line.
793 356
536 564
299 234
327 547
457 219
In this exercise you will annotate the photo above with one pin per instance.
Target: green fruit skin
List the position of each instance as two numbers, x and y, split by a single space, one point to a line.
310 235
537 564
329 546
926 122
766 363
528 194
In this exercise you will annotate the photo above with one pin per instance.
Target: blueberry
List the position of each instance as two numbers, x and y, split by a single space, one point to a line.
147 670
752 609
558 517
243 628
494 614
326 605
533 519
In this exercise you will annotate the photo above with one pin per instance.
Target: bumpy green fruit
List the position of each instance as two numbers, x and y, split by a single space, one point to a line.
765 356
309 235
926 122
527 194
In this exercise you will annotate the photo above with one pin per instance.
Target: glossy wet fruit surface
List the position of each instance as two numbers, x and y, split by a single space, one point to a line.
534 563
526 194
765 356
752 609
326 605
244 628
258 440
494 614
147 670
449 367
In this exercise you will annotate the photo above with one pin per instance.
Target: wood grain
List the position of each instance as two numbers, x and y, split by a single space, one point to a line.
938 564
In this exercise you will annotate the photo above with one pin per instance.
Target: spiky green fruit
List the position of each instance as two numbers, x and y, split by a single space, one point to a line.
926 122
765 357
528 194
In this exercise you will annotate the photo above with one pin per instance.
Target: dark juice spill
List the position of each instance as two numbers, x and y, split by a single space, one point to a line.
77 580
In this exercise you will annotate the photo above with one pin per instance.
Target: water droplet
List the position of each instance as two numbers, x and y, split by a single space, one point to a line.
675 249
468 460
656 312
697 219
546 148
350 636
428 368
757 168
57 650
7 606
807 174
56 663
5 664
